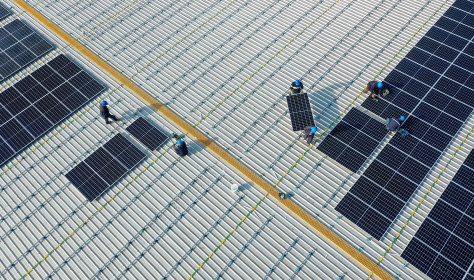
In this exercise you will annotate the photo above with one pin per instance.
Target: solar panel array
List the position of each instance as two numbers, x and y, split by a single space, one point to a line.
105 166
443 246
300 111
353 139
147 134
41 100
433 85
19 46
4 12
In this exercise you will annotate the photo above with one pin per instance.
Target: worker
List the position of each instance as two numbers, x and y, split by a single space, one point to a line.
296 87
180 148
104 112
309 133
376 88
393 124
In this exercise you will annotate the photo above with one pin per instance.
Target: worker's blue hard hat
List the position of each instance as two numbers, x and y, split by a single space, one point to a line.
297 82
313 129
104 103
180 142
379 84
402 118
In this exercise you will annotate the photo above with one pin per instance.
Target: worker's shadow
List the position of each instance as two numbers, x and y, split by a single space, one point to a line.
323 101
135 114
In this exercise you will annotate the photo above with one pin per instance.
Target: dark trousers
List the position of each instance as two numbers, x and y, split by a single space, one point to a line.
112 117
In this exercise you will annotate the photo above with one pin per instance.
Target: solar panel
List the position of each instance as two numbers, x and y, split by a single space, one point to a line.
300 111
38 102
353 139
147 134
4 12
432 86
19 46
100 170
443 246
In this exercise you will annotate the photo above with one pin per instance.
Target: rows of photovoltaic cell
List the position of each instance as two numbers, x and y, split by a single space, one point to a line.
300 111
443 246
19 46
4 11
354 139
147 134
105 166
41 100
433 85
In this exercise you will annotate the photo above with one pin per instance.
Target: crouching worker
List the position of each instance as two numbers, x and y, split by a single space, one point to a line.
180 148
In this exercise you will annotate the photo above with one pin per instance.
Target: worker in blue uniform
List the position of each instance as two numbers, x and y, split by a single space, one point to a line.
296 87
376 89
394 124
105 114
309 133
180 148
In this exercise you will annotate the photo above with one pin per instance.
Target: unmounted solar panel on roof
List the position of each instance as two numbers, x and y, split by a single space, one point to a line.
19 46
4 11
147 134
40 101
105 166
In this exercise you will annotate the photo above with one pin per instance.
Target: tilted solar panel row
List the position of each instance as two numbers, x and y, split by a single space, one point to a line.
40 101
105 166
19 46
300 111
433 86
353 139
443 246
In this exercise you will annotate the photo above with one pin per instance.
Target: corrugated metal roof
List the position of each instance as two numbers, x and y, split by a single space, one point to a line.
240 56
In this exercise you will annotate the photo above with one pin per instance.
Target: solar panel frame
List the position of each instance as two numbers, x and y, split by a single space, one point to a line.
17 51
300 111
30 109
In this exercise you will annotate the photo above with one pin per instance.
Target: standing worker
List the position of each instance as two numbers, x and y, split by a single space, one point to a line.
394 124
296 87
104 112
181 148
309 133
376 88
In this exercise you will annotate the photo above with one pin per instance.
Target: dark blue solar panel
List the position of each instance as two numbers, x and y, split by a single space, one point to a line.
105 166
374 223
405 102
419 255
353 139
147 134
446 24
16 52
40 101
456 42
418 55
401 187
351 207
385 198
448 230
466 62
300 111
437 34
408 67
436 64
457 74
437 99
427 76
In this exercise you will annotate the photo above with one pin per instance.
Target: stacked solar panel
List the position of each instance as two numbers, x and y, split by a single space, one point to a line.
433 85
105 166
19 46
40 101
443 246
354 139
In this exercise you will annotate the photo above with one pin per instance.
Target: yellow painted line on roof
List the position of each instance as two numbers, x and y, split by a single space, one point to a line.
213 147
